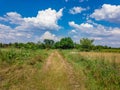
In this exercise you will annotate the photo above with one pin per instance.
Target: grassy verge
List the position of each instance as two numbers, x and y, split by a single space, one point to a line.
99 73
19 68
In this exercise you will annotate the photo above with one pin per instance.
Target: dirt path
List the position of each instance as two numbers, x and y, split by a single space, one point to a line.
57 74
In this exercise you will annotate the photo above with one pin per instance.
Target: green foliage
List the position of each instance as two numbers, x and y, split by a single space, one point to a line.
65 43
86 44
1 45
48 43
76 46
40 45
10 56
57 45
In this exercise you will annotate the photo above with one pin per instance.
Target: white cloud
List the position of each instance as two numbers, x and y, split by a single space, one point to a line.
48 35
95 29
8 34
103 35
46 19
82 26
72 24
4 27
73 31
13 18
23 29
76 10
107 12
86 25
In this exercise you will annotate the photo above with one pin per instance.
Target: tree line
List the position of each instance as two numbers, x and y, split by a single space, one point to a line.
65 43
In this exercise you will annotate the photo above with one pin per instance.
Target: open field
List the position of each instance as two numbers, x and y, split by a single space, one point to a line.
101 71
25 69
19 68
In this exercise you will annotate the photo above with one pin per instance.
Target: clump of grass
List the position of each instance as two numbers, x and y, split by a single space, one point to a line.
10 56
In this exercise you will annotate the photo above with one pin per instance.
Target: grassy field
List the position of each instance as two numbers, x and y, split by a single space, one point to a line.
101 71
19 68
25 69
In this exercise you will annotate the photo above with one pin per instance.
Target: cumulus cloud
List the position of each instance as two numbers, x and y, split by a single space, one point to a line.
48 35
73 31
46 19
13 18
26 28
76 10
102 34
81 26
8 34
107 12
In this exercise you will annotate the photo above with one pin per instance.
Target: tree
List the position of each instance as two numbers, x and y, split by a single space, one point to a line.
86 44
1 45
57 45
66 43
76 46
48 43
40 45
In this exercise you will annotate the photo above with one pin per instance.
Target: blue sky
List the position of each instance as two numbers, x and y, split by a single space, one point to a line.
36 20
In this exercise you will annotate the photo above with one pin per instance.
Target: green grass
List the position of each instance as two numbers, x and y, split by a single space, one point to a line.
20 67
13 55
99 73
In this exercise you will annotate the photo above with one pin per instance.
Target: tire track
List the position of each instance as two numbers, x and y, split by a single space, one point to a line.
58 74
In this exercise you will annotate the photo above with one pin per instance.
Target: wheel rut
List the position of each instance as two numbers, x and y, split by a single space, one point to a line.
58 74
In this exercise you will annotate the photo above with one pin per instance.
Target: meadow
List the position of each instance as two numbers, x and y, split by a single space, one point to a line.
100 70
43 69
20 67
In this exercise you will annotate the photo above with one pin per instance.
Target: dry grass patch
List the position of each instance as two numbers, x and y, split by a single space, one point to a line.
21 74
111 57
101 70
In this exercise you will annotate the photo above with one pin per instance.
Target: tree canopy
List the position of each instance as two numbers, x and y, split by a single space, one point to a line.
65 43
48 43
86 44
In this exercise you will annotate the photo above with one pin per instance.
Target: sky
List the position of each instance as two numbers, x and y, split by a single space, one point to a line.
36 20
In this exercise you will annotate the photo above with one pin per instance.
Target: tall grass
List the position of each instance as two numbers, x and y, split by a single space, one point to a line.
13 55
10 56
100 74
19 68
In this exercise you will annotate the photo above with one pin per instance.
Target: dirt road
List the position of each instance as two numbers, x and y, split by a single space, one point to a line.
57 74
